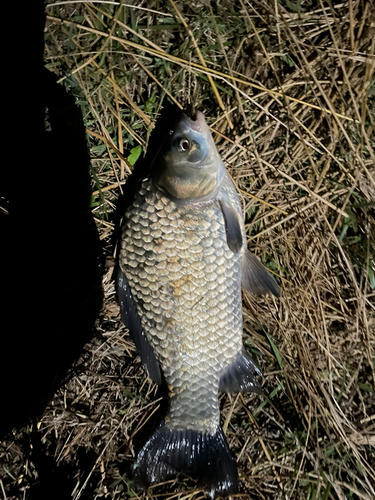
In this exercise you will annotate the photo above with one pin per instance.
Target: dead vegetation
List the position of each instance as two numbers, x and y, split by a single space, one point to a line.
288 88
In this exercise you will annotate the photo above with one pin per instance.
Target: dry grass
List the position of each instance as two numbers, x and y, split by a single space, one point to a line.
289 90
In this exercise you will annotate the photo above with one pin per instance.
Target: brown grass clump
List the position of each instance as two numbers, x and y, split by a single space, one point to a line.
288 88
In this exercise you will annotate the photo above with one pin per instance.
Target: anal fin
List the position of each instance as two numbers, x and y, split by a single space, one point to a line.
240 376
132 321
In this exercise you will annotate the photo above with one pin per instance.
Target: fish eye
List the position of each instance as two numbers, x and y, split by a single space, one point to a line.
184 145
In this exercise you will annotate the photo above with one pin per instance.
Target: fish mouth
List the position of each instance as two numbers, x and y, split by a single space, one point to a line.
194 119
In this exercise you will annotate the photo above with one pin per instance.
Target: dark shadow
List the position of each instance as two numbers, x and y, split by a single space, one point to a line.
58 481
50 254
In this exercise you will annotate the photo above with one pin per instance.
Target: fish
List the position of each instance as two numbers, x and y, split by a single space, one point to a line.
182 259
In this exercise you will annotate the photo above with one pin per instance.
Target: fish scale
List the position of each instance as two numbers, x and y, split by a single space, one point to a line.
188 303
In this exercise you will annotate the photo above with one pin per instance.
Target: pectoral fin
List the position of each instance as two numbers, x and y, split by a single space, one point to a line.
255 277
132 321
232 225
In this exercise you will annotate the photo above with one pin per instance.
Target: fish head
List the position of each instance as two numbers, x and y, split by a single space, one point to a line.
190 167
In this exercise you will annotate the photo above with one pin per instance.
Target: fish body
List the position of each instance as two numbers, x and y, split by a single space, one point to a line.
182 260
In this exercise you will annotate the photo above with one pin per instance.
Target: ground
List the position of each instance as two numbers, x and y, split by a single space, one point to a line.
288 89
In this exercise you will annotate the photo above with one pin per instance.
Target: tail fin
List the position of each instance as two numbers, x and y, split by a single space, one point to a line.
202 456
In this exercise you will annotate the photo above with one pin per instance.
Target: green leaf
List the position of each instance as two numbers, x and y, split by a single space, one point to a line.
275 351
288 60
371 277
330 451
100 148
150 104
295 7
265 401
354 239
365 387
276 390
272 265
135 153
94 203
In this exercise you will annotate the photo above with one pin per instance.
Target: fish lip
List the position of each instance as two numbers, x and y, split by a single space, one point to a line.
195 122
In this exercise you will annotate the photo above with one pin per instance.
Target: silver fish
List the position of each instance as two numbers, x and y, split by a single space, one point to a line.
182 260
